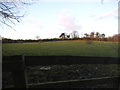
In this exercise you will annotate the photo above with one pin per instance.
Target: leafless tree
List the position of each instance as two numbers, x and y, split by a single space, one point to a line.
116 38
10 12
92 35
75 34
86 35
37 37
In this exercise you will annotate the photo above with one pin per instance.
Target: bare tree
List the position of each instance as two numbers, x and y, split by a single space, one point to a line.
86 35
92 35
10 12
37 37
75 34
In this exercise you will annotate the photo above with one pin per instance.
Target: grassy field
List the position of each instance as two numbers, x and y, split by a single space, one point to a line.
72 48
63 72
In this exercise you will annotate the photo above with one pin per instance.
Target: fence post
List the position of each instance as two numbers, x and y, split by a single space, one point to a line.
19 76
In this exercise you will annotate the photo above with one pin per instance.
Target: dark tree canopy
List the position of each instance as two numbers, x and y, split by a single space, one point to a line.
62 35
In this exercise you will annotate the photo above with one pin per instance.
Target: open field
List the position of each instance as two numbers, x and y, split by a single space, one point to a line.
60 48
64 72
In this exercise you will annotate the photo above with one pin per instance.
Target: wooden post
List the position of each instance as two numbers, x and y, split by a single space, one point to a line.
19 76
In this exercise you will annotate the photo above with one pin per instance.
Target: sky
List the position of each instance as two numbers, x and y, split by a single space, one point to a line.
50 18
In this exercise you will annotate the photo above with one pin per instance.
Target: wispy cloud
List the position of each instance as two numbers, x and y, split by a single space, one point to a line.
109 14
67 21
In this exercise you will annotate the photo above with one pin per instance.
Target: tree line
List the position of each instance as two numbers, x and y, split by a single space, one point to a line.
73 36
92 36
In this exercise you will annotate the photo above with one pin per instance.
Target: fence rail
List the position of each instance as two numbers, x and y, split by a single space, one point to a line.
17 65
114 81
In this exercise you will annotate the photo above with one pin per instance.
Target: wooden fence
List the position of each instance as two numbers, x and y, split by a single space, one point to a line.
17 65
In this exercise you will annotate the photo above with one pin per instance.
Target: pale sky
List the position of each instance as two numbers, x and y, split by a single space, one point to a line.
50 18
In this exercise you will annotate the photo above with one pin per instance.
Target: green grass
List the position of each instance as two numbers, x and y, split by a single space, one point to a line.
71 48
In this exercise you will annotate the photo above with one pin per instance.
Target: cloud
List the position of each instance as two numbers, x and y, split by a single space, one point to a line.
67 21
106 15
109 14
